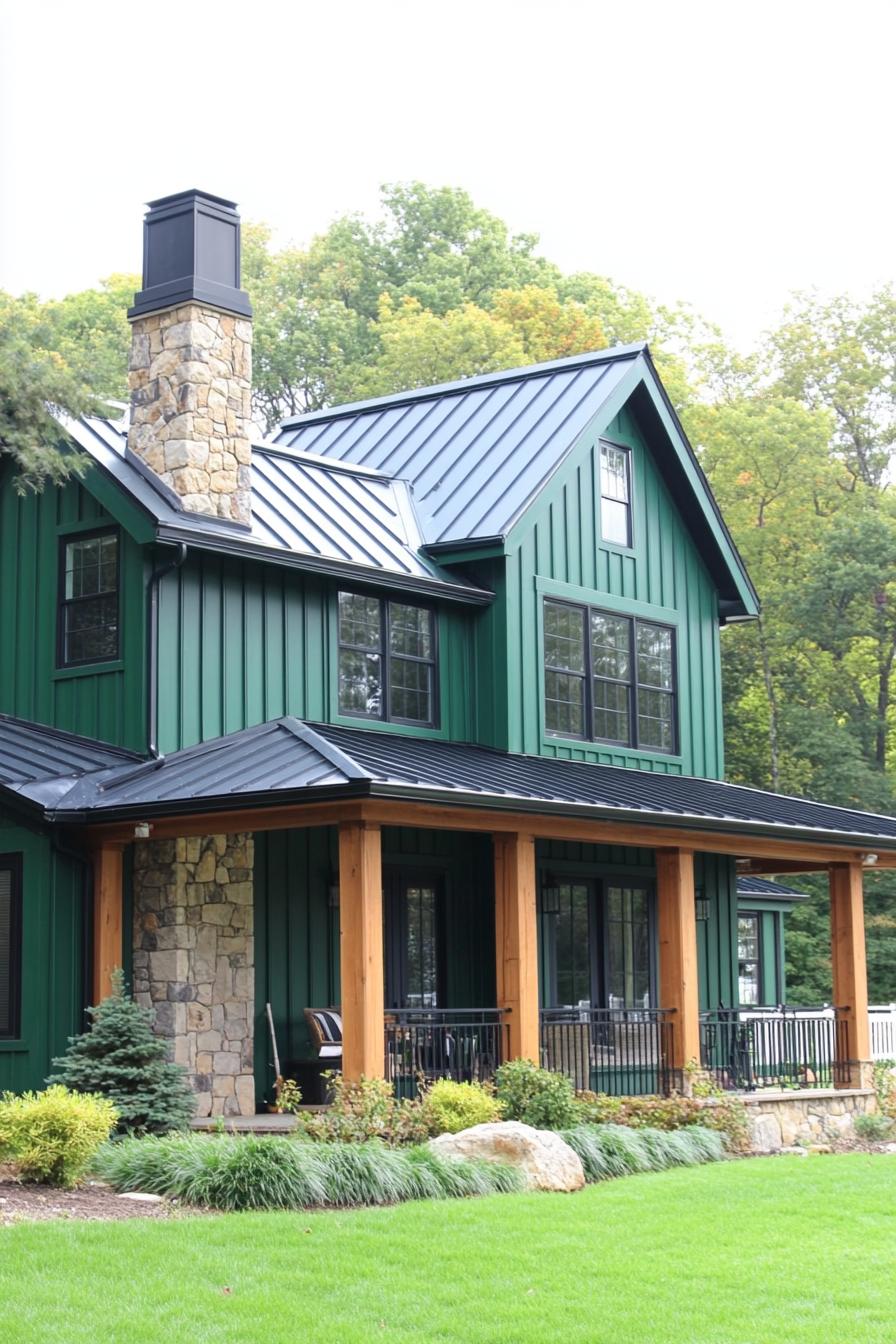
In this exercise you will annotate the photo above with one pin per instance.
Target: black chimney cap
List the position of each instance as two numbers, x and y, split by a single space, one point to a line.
191 253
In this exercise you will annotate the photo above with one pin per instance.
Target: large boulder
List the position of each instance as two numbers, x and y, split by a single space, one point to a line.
547 1163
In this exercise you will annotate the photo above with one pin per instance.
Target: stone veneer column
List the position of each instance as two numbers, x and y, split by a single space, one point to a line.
194 960
190 380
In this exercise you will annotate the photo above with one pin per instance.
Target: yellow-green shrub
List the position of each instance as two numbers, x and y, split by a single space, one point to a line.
51 1136
449 1107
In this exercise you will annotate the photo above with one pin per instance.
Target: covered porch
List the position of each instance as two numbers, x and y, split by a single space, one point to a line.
627 1029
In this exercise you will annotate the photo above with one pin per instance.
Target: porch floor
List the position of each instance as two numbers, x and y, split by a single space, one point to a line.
262 1123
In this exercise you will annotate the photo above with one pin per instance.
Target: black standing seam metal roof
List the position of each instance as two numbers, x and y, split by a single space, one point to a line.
764 888
41 763
287 760
324 515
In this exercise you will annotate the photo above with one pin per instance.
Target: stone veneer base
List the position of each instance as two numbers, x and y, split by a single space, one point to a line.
785 1119
194 960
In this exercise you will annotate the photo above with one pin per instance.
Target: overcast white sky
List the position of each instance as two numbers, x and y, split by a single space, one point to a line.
725 154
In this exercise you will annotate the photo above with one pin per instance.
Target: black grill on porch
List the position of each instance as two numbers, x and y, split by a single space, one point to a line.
747 1048
619 1051
466 1044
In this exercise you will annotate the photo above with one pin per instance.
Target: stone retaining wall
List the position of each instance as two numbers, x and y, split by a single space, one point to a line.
194 960
785 1119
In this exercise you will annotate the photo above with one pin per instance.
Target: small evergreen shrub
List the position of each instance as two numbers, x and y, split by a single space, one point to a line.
873 1127
364 1110
535 1096
617 1150
51 1136
231 1172
449 1107
121 1058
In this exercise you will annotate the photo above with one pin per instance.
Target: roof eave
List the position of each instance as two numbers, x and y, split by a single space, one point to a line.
366 788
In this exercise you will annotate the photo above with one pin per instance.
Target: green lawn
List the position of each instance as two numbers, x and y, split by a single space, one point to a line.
779 1251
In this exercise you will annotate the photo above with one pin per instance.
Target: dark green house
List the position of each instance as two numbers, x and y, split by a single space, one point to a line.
412 713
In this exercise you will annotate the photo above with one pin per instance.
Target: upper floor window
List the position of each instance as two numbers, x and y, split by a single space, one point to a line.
615 494
88 600
10 944
609 678
387 660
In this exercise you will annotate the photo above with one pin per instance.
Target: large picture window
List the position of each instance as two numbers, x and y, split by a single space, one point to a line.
609 678
387 660
88 598
10 944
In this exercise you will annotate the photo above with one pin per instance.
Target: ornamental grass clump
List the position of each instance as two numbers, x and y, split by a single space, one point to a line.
615 1150
51 1136
231 1172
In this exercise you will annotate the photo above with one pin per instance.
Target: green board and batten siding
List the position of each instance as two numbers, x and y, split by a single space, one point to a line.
101 702
241 643
558 551
52 956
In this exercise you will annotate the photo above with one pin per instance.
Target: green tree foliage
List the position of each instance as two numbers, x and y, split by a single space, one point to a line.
120 1057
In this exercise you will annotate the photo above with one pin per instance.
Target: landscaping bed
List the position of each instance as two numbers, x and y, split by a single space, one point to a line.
25 1202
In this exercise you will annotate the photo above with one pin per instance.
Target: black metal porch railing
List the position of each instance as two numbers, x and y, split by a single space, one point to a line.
619 1051
466 1044
776 1047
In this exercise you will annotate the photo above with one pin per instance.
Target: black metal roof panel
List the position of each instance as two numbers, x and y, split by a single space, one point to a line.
286 760
41 763
307 511
476 451
764 888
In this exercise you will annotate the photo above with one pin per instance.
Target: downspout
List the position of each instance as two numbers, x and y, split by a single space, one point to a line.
152 648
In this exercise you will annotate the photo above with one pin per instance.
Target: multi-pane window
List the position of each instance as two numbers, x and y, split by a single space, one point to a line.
568 906
387 659
615 494
748 958
89 601
10 945
628 947
609 678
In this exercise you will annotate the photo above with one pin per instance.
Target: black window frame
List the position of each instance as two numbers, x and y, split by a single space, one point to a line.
754 916
386 656
63 603
12 863
630 528
633 685
599 931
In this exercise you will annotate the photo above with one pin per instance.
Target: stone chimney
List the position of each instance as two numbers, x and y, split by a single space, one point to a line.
190 370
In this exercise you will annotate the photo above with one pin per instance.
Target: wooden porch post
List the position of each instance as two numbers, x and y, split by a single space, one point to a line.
516 941
107 917
361 950
677 930
850 975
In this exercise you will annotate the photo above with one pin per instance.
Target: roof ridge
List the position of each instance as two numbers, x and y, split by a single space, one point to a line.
569 362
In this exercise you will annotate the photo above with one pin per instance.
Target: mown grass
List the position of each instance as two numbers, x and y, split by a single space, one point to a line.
766 1251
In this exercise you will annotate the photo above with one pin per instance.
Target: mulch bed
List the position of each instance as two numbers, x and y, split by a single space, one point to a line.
20 1202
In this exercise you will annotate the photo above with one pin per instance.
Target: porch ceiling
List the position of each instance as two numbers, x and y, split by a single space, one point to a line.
287 764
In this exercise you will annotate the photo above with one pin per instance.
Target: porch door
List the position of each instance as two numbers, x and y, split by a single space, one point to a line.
597 944
414 939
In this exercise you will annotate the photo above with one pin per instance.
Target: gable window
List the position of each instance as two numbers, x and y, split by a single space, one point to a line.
88 598
10 944
387 660
609 678
615 494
